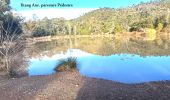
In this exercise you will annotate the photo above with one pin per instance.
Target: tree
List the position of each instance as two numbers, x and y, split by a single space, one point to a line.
29 27
159 27
40 32
150 34
118 28
11 43
4 6
11 38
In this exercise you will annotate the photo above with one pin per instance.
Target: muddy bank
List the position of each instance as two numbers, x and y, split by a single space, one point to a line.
73 86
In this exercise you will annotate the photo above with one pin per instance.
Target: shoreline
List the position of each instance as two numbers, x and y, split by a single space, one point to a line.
51 38
73 86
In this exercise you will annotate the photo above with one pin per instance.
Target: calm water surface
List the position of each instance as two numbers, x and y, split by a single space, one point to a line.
123 61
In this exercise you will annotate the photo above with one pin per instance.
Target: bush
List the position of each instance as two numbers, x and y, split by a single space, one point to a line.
118 28
68 64
150 34
40 32
160 27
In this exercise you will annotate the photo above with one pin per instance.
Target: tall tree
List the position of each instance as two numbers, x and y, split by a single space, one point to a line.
11 44
4 6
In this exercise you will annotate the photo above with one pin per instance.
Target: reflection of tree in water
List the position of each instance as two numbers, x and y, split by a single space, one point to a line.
103 46
45 48
123 45
53 47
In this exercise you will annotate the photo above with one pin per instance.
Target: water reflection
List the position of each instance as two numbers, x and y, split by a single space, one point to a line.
103 46
125 68
45 65
124 60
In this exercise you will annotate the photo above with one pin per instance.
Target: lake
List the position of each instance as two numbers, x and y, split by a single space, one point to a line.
123 60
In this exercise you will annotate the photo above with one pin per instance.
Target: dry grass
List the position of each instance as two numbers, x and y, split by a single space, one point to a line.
66 64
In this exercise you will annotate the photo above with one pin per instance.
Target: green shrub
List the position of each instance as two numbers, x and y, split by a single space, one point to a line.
150 34
68 64
118 28
40 32
160 27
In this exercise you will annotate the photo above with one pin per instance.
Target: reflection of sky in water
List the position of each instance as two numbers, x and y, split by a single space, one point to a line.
125 68
45 65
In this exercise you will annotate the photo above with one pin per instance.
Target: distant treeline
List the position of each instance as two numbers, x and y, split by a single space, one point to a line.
45 27
153 15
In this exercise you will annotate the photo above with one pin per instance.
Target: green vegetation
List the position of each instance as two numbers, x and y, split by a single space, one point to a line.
154 15
66 64
150 34
45 27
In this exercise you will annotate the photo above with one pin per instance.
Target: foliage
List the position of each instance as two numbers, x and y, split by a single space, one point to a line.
11 24
4 6
40 32
159 27
150 34
153 14
118 28
45 27
11 39
66 64
163 19
135 27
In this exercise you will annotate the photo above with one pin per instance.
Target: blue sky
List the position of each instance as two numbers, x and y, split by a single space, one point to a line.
79 8
16 4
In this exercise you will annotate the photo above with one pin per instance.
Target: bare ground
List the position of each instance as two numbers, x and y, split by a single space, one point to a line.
73 86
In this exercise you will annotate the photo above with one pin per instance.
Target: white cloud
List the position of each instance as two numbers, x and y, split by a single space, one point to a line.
54 13
70 53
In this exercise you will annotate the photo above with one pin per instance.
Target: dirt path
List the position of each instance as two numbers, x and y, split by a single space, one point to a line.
72 86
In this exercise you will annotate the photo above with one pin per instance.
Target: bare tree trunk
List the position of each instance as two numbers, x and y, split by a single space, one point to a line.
7 64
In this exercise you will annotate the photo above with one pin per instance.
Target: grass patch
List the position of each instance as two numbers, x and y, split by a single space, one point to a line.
68 64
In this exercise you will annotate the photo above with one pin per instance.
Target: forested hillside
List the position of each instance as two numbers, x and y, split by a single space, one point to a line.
152 15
